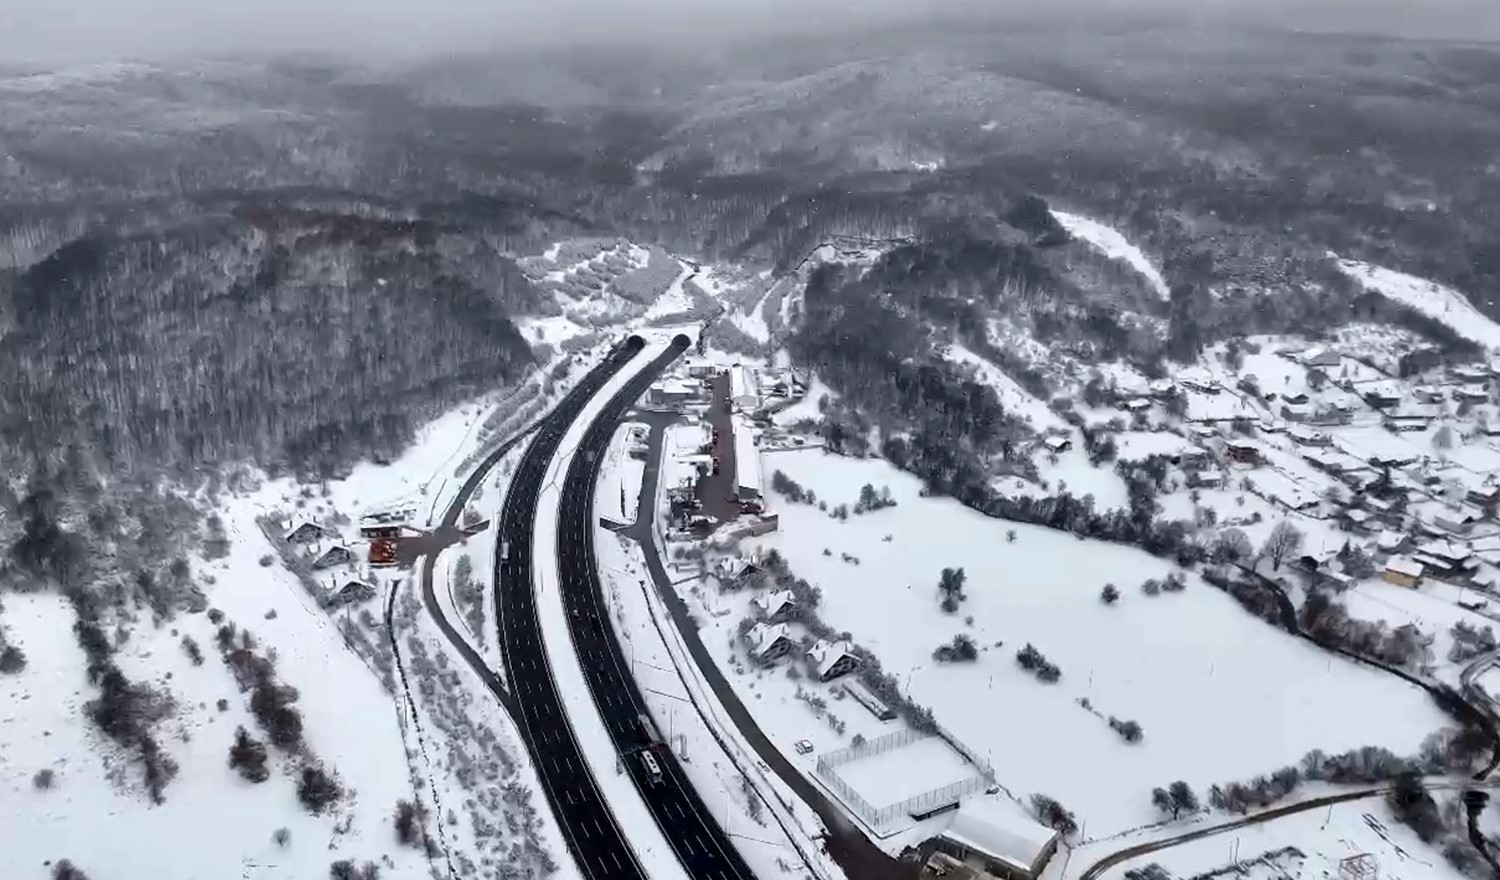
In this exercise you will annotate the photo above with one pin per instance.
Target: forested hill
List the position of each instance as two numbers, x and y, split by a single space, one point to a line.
301 340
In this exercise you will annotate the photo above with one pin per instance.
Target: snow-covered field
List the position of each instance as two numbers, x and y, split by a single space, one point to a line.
1114 245
213 823
1192 668
1431 299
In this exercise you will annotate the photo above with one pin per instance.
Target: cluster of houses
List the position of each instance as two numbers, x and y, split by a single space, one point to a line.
772 638
1419 518
345 575
329 561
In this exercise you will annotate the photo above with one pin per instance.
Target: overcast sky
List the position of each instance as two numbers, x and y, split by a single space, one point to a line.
49 30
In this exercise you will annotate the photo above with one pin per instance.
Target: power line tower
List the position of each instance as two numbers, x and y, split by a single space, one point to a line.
1360 866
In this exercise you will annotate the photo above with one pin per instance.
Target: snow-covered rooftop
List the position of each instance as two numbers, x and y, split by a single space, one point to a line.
764 636
1403 565
1001 831
747 474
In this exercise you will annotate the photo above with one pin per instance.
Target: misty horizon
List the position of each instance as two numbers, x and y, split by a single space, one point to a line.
70 31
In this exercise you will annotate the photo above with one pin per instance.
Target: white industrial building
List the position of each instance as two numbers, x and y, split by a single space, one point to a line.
999 839
747 477
744 388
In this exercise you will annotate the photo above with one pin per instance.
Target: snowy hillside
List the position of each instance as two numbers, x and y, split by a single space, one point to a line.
1433 300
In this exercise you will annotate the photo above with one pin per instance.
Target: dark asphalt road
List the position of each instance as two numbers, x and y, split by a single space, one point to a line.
702 847
850 848
429 600
598 846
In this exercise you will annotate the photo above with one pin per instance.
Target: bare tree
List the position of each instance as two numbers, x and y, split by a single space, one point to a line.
1284 541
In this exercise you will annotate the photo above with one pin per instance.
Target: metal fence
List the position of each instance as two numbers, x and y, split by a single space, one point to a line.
879 817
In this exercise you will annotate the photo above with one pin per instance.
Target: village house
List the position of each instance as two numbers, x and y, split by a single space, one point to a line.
831 660
671 392
1198 379
304 531
1136 405
1485 496
1382 397
1330 415
1296 412
1309 437
776 606
1242 452
1057 444
734 571
1428 394
1402 572
1206 479
1405 420
1296 398
349 591
769 642
1161 388
1445 560
1392 541
1460 520
338 554
1320 357
1470 374
1471 393
1356 520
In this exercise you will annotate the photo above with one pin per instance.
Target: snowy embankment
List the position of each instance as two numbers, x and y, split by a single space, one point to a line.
1112 244
765 813
473 763
619 792
1219 694
1443 304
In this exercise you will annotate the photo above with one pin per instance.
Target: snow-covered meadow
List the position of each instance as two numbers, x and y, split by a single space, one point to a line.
1219 694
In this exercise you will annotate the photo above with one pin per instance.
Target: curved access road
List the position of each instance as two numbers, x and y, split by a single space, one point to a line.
699 843
594 838
424 574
